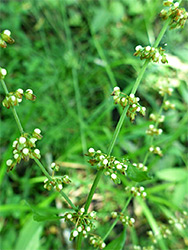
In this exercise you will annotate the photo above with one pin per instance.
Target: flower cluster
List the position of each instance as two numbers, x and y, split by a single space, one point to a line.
140 166
97 241
168 105
108 163
131 101
84 222
177 15
151 53
14 98
125 219
137 191
165 89
56 182
157 118
156 150
180 222
5 37
24 148
151 247
153 131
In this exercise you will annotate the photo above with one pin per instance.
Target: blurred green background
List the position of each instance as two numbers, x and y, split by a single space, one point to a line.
71 54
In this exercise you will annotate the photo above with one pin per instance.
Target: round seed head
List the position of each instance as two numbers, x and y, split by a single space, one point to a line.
82 210
119 166
33 140
13 98
9 162
160 131
141 188
3 72
176 4
105 161
138 47
143 109
88 229
151 149
37 131
132 220
20 91
103 245
131 95
75 233
91 150
92 214
52 164
25 151
37 151
16 156
116 89
22 140
148 48
113 176
14 144
125 166
79 229
30 91
123 99
69 216
144 194
7 32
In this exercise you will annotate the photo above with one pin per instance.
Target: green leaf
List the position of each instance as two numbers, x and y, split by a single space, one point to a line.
172 174
137 175
29 237
45 217
100 20
118 243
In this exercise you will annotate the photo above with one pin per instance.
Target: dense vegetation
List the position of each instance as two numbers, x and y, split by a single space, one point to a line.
72 54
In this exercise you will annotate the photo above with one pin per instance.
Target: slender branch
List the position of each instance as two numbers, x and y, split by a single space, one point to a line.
120 123
36 160
116 220
156 126
13 109
50 178
93 188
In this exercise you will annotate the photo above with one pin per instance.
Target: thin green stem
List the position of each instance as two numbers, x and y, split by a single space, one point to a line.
92 191
120 123
117 130
156 126
13 109
116 220
45 172
36 160
50 178
139 78
153 224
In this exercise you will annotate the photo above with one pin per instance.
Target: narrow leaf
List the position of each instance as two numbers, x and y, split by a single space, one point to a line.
172 174
29 237
118 243
137 175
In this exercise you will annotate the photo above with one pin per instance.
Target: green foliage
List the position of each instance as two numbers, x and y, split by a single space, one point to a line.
118 243
72 77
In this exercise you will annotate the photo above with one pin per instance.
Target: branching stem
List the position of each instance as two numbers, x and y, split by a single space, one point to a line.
36 160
